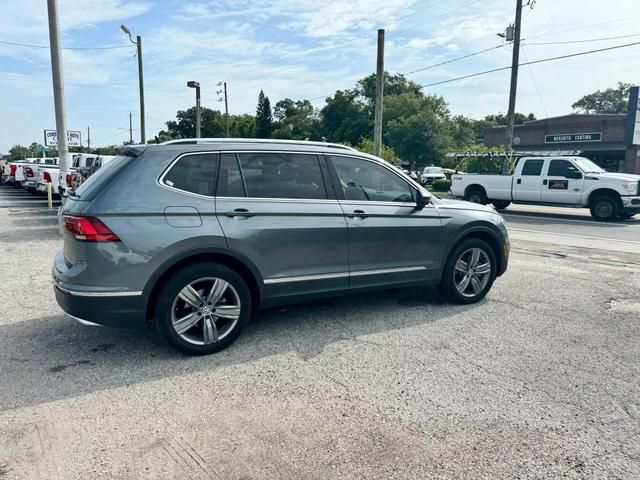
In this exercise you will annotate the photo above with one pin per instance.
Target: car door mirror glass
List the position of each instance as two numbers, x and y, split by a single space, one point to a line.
422 199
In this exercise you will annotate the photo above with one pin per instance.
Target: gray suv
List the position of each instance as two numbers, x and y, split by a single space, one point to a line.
196 235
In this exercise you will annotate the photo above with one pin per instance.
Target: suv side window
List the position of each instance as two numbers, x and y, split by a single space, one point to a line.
532 167
364 180
563 168
195 173
282 175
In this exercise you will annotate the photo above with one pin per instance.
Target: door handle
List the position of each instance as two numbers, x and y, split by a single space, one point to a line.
519 181
240 213
545 181
357 214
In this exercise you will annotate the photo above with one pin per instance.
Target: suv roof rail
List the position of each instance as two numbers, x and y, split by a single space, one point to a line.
197 141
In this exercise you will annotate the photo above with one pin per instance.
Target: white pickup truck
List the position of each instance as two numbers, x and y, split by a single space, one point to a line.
558 181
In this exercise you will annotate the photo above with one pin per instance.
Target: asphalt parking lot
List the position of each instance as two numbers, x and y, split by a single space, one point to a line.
540 380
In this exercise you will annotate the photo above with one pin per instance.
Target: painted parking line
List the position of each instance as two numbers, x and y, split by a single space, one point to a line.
633 242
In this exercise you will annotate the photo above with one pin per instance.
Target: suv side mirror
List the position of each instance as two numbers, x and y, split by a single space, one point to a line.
422 200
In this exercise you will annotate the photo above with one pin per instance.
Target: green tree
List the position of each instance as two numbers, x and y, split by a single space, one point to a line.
387 153
264 117
394 84
295 120
18 152
242 126
211 124
611 100
345 118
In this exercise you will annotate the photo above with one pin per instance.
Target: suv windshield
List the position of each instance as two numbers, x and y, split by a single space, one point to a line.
432 170
587 166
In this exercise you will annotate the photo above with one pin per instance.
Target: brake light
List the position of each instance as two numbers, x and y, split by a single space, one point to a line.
28 172
69 178
89 229
12 169
47 177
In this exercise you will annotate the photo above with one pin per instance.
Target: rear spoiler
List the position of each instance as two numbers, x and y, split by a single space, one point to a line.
132 150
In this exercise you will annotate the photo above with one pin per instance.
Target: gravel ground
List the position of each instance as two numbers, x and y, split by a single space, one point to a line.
540 380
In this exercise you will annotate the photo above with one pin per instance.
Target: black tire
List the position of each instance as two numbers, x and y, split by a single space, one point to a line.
626 216
501 204
476 195
178 281
447 285
605 208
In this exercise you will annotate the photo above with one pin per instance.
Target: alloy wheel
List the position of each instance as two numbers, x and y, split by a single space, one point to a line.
205 311
472 272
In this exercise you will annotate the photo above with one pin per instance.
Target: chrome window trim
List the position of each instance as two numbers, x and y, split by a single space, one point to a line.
80 293
329 276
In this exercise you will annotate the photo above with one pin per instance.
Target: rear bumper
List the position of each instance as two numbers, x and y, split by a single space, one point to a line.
112 310
29 184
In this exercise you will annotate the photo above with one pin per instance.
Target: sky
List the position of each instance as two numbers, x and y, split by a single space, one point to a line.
296 49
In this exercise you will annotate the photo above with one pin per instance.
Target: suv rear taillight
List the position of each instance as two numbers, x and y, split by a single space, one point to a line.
69 179
46 177
28 172
89 229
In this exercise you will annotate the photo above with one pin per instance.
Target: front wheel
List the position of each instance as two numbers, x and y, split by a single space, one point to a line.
469 272
203 308
605 209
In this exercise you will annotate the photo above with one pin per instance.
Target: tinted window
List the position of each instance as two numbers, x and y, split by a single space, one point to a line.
532 167
562 168
193 173
364 180
95 182
282 175
229 179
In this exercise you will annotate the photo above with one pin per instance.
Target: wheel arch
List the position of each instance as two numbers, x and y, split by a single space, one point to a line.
481 233
475 186
236 262
602 192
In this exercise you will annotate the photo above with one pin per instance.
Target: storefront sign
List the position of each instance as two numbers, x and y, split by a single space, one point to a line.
573 137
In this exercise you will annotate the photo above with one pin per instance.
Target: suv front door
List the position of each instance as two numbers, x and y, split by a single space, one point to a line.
276 210
390 240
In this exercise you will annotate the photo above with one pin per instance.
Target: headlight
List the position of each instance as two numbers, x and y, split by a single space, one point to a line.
630 187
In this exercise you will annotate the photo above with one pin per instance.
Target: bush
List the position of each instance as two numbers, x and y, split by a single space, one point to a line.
440 185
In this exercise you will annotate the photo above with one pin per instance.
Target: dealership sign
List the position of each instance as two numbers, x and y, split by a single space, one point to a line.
73 138
632 134
573 137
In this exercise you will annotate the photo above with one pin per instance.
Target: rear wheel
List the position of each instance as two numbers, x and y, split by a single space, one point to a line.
469 272
203 308
476 195
501 204
605 208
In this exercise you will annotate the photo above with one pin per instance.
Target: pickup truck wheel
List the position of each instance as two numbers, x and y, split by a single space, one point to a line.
476 196
469 272
605 208
203 308
501 205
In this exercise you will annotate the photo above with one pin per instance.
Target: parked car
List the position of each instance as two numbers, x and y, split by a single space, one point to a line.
47 174
429 174
560 181
195 235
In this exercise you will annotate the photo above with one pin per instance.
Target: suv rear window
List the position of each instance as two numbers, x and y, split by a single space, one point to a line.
282 175
95 182
195 173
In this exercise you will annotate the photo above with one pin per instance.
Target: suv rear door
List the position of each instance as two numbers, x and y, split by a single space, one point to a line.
278 210
390 240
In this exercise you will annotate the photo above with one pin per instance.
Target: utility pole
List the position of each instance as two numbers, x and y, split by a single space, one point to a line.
226 105
58 86
130 128
88 138
138 44
377 128
512 90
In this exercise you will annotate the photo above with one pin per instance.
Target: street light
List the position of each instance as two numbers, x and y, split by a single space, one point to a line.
138 43
196 85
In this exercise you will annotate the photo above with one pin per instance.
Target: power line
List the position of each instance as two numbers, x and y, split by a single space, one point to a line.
585 40
446 14
535 84
109 47
464 77
453 60
547 34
